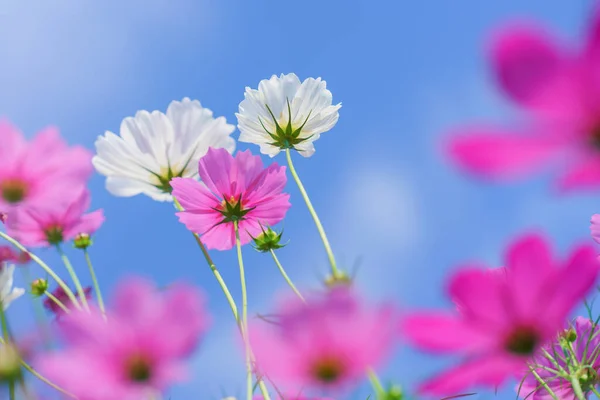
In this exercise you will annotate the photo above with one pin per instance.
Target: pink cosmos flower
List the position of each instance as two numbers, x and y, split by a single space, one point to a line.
61 295
56 223
233 189
583 338
326 344
504 315
137 351
39 171
560 89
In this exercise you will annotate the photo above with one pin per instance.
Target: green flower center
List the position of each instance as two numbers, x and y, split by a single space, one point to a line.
138 368
54 234
285 137
522 341
328 369
232 209
164 178
13 190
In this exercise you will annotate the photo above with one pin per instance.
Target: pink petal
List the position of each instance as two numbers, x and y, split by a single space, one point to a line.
13 142
502 155
246 167
193 195
439 332
88 223
220 237
585 174
592 51
214 169
595 227
526 60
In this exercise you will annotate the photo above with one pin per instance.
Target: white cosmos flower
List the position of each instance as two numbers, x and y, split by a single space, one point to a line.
286 113
7 292
154 147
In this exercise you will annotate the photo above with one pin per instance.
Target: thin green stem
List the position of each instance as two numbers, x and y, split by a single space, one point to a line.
94 281
285 275
6 337
315 217
377 386
263 390
45 380
544 384
57 302
577 388
74 277
45 267
244 312
595 391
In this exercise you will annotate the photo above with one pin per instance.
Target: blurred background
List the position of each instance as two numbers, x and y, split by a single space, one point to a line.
396 213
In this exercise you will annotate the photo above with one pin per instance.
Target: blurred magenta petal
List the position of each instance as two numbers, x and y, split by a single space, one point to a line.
527 304
232 189
595 227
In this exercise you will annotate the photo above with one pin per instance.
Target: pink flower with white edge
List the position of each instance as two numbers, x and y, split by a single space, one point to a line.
40 171
324 345
560 90
233 189
504 315
137 351
56 223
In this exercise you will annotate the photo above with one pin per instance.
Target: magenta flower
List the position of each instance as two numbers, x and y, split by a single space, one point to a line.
326 344
233 189
56 223
560 89
137 351
40 171
61 295
583 338
504 315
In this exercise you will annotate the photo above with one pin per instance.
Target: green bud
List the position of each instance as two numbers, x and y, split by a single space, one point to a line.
10 363
587 377
82 241
268 240
39 287
394 393
338 279
570 335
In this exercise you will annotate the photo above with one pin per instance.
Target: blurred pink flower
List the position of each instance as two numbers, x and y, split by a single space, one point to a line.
55 223
595 227
560 89
233 189
326 344
40 171
138 350
504 315
61 295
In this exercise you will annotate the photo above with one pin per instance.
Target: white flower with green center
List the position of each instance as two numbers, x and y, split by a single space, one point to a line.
7 293
154 147
285 113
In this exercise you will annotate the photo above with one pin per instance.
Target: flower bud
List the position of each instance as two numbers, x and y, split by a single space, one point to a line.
10 363
394 393
82 241
267 240
39 287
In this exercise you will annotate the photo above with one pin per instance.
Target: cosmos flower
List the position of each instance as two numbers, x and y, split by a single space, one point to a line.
560 90
286 113
40 171
575 350
504 315
7 293
137 351
232 189
52 225
324 345
154 147
60 294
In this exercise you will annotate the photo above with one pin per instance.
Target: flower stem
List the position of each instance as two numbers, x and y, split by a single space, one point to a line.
312 211
74 277
57 302
285 275
379 390
6 337
45 380
577 388
94 281
544 384
595 392
45 267
244 312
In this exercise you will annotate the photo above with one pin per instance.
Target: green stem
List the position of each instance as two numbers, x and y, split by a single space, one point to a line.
45 267
244 312
38 310
285 275
577 389
315 217
595 391
45 380
94 281
74 277
544 384
263 390
377 386
57 301
6 337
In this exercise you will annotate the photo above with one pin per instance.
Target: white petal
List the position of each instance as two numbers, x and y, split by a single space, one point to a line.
7 293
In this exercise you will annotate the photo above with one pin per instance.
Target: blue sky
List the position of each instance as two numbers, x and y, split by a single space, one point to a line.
405 72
